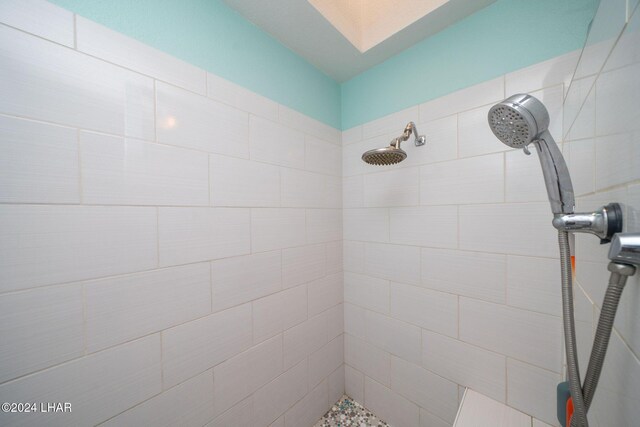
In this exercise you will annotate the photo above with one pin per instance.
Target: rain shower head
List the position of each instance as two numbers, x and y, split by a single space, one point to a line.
385 156
521 120
393 153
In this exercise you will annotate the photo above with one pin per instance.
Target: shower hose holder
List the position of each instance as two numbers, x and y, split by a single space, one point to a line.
603 222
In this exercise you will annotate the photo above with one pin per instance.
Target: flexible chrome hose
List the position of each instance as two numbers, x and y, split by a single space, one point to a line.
619 275
573 370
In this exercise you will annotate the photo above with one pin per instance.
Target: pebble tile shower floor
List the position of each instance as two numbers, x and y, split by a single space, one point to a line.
349 413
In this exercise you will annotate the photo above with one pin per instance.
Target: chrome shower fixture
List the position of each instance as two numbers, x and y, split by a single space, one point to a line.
521 120
393 153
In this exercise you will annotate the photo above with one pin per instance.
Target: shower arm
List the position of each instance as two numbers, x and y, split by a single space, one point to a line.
408 130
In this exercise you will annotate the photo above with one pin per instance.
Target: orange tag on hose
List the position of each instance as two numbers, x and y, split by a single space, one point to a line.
569 410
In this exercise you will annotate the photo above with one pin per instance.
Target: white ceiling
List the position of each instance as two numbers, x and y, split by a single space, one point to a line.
299 26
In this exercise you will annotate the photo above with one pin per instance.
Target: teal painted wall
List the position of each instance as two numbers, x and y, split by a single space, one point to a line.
503 37
212 36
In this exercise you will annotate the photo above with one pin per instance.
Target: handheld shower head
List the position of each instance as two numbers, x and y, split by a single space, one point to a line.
393 153
521 120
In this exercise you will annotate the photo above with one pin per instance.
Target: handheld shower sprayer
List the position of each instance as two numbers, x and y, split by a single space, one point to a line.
521 120
393 153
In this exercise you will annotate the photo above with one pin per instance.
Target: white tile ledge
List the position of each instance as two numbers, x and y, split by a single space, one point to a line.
477 410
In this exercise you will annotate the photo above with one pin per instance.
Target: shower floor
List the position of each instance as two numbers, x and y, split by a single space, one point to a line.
349 413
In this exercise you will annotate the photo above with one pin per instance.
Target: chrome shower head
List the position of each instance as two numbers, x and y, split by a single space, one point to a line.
393 153
521 120
385 156
517 120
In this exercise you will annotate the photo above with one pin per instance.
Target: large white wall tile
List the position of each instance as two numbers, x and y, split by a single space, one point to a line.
473 274
462 363
394 122
325 293
242 279
77 242
303 339
353 256
395 337
326 360
272 142
336 384
392 188
306 124
194 398
582 163
436 311
196 346
543 74
335 321
239 182
304 189
121 378
276 397
534 284
369 224
429 226
237 96
39 162
530 389
473 180
368 292
393 262
104 43
243 374
193 121
323 225
442 142
121 308
531 337
617 160
524 179
334 255
474 134
41 18
132 172
321 156
277 228
352 135
389 405
202 234
462 100
239 415
616 92
353 191
519 229
303 264
354 384
427 419
41 328
278 312
432 392
310 408
80 91
368 359
355 320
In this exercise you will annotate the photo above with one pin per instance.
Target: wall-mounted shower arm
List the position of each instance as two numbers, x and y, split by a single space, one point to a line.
408 130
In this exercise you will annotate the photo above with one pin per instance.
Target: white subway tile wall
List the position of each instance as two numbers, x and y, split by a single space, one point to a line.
471 260
166 237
